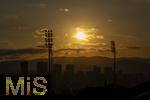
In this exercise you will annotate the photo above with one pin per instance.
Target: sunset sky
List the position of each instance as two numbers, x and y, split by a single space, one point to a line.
125 21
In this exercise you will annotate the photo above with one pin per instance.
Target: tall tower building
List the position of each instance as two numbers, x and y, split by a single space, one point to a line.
70 69
69 72
96 69
24 67
57 69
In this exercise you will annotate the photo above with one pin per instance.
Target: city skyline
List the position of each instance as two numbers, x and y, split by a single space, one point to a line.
75 48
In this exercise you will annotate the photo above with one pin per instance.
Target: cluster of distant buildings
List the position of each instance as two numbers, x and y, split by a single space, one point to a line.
67 80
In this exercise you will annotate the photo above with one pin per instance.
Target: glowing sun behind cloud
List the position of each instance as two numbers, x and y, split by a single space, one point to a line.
81 36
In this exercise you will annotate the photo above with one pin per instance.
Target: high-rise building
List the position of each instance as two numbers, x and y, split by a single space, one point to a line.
24 67
42 68
70 69
57 69
96 69
69 77
96 76
108 73
56 77
69 72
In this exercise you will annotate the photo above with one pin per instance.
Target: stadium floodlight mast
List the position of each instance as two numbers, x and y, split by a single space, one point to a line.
113 50
49 45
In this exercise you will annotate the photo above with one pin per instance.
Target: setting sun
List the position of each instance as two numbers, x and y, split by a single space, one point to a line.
81 36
